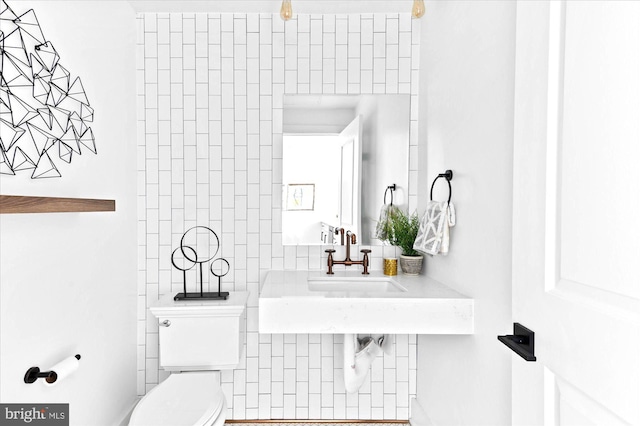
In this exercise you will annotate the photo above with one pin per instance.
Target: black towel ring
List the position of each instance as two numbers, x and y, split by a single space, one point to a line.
392 188
448 175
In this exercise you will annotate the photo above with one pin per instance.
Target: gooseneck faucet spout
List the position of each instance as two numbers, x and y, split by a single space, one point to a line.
350 236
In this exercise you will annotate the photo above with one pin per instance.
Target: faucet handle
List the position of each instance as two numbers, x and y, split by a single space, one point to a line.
365 261
330 261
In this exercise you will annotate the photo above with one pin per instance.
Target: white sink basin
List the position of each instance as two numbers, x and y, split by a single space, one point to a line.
362 284
309 302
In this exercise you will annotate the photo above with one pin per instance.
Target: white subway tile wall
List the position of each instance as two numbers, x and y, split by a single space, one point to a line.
210 99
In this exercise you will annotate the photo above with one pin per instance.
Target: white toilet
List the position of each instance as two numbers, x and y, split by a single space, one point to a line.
197 339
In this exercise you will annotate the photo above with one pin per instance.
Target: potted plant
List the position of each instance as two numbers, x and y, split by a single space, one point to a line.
402 232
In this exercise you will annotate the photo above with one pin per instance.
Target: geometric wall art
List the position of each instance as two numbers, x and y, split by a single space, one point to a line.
43 111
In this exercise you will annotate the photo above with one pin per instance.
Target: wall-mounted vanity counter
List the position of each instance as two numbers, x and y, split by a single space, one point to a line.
349 302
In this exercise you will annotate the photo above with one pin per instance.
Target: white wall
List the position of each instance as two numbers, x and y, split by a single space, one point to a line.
211 94
68 280
466 98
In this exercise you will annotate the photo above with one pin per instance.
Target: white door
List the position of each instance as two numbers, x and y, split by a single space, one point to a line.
576 218
351 161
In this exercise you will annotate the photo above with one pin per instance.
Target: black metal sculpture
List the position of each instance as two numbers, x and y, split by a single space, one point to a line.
185 257
43 111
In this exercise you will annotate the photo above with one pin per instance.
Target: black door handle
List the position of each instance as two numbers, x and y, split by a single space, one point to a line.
521 342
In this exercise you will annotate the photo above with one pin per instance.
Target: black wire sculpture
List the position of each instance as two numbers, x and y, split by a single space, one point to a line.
43 111
185 257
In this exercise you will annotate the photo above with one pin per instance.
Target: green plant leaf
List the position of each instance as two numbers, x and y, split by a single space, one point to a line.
401 230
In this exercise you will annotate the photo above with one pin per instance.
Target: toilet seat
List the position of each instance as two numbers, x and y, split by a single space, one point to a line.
183 399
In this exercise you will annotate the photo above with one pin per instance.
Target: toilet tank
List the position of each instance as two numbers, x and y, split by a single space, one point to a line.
201 335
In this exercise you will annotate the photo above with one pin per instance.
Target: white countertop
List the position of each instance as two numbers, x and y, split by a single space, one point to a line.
288 305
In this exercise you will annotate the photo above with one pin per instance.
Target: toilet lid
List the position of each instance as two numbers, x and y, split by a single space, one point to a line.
189 399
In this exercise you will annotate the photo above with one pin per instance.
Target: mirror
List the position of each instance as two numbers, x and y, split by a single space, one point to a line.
340 153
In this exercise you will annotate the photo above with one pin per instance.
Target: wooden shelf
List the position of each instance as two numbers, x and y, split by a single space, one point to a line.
25 204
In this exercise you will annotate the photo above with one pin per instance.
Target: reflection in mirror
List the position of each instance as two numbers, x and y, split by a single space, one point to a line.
340 152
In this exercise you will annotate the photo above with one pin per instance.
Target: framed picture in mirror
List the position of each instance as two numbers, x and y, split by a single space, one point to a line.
301 196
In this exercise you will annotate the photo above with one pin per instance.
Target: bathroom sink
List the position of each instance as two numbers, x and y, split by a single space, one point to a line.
354 284
309 302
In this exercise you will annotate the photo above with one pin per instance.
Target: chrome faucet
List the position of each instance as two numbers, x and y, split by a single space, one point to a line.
351 239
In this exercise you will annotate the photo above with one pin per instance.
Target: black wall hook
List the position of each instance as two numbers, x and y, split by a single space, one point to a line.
448 175
34 374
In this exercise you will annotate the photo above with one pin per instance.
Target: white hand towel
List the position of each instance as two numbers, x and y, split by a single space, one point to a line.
383 227
357 361
449 222
433 234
